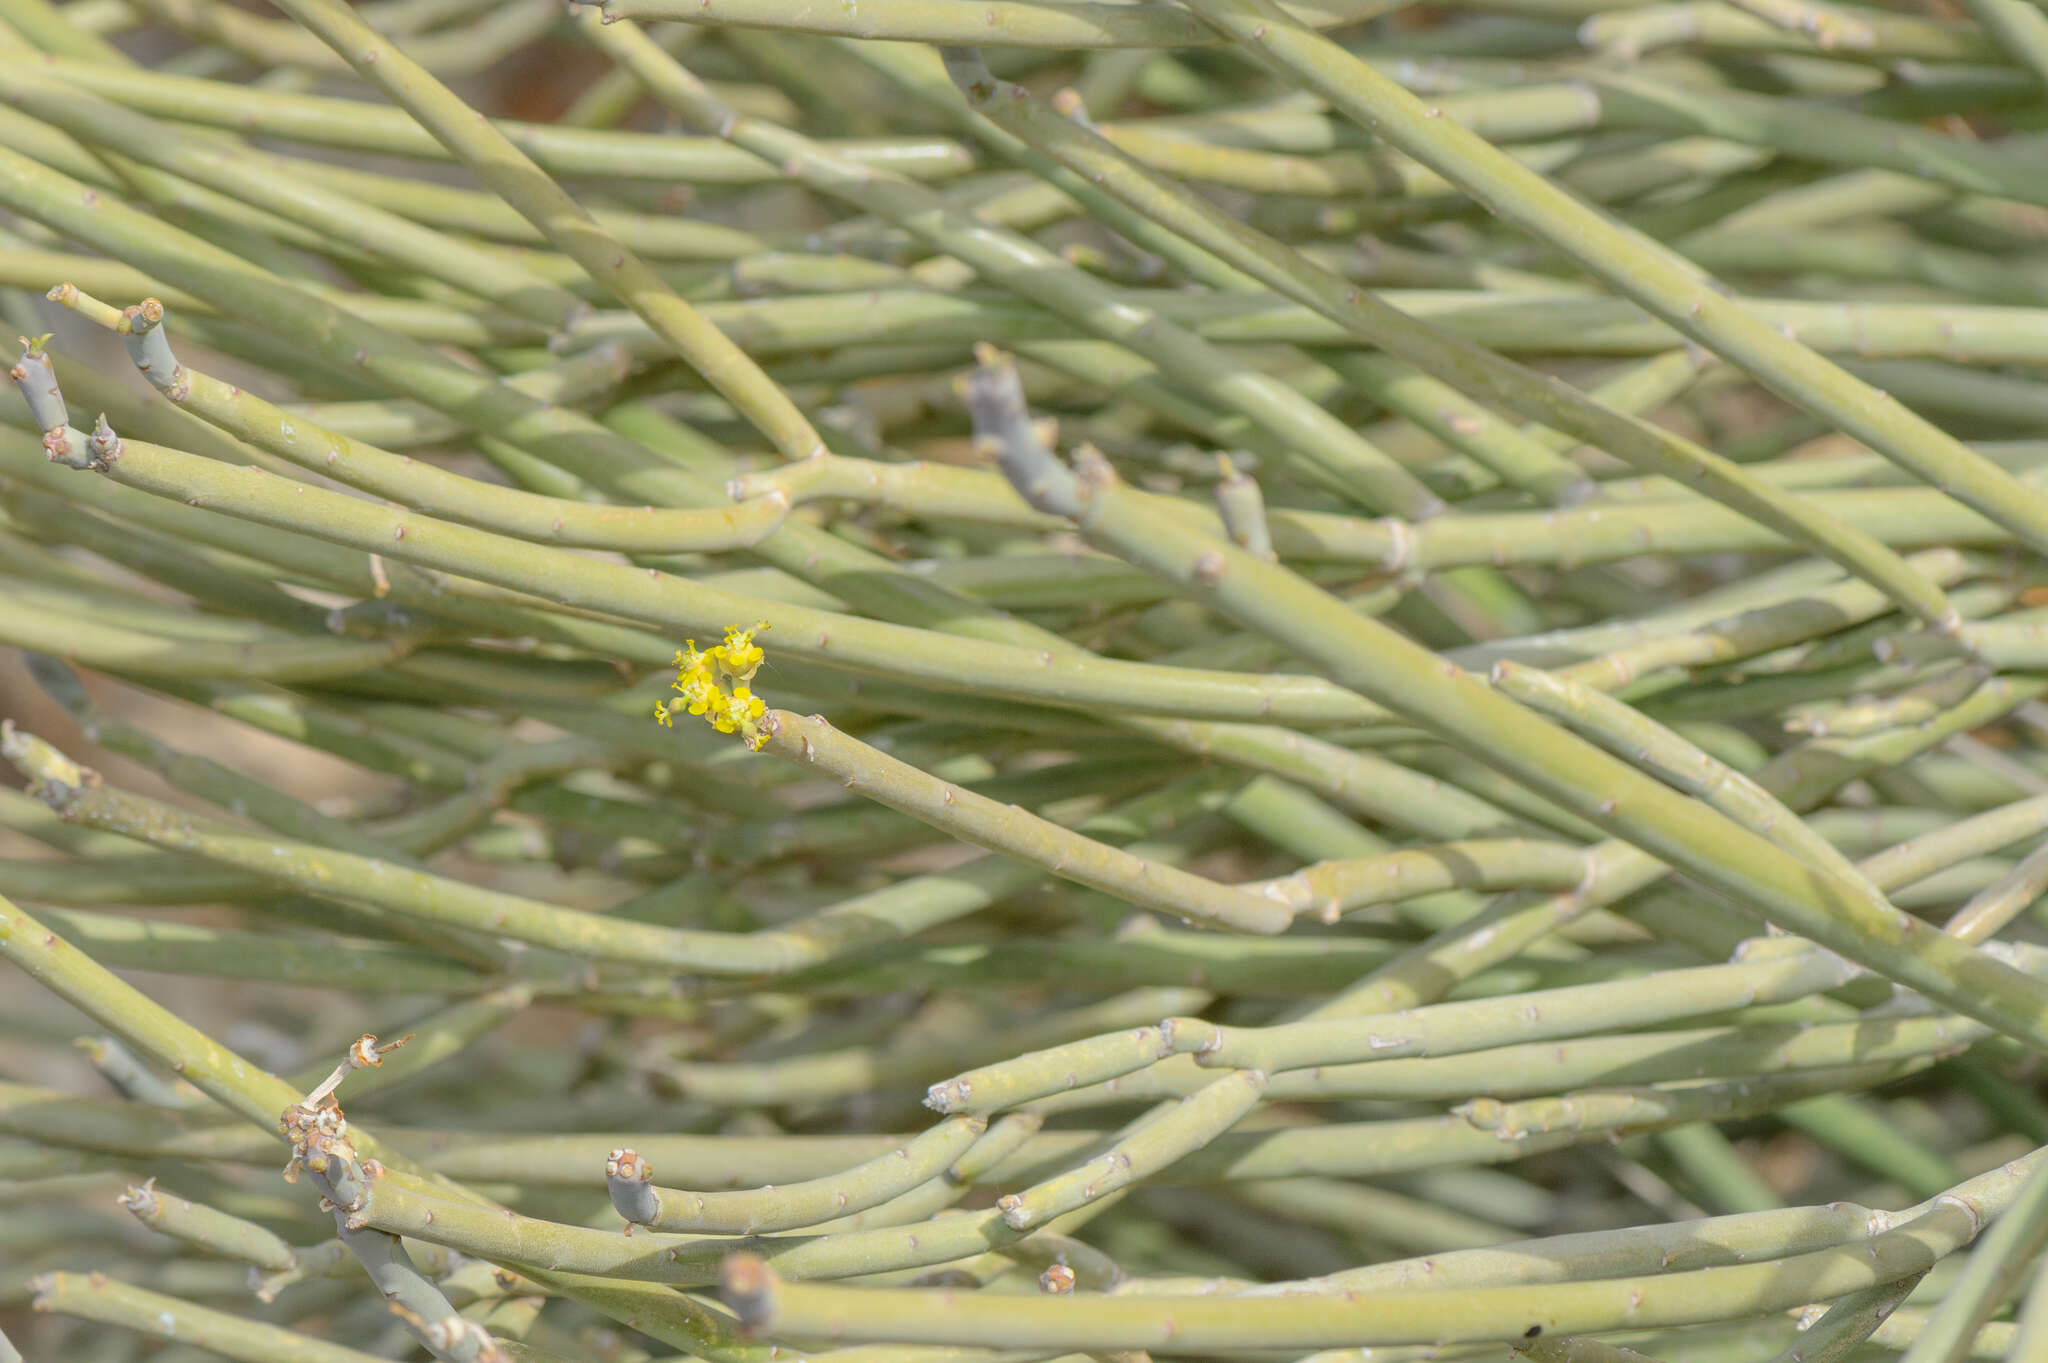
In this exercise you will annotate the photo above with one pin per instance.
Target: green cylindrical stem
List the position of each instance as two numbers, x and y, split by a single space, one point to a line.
1462 364
1243 508
419 893
1628 734
1996 1267
682 607
1442 1029
1151 1145
1991 908
816 744
95 1298
36 378
793 1206
1852 1319
1310 1320
1330 889
1064 25
402 1285
1303 431
435 491
1657 279
1415 683
2031 1335
206 1227
303 200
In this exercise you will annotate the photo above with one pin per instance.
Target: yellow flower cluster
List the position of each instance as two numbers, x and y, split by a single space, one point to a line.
714 684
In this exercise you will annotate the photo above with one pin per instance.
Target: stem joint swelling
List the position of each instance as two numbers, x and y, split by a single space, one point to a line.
35 377
53 778
322 1148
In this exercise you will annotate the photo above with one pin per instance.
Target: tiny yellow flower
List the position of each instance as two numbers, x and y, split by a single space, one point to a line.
747 705
741 654
699 693
712 683
743 710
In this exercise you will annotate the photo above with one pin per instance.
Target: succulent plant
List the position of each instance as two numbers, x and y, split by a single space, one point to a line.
1372 681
